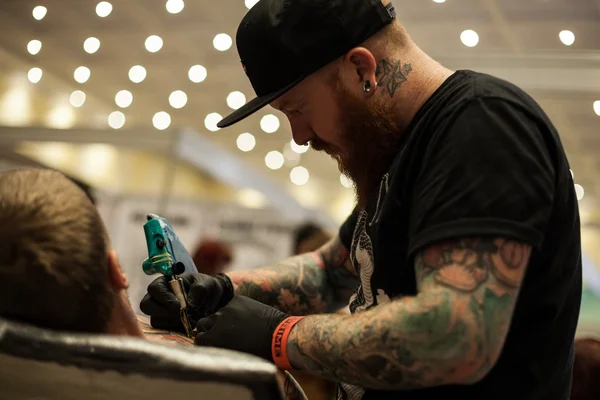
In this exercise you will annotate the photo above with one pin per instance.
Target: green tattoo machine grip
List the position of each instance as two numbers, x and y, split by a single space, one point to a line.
160 259
162 241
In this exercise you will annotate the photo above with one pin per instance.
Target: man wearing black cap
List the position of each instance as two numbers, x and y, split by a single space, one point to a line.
461 262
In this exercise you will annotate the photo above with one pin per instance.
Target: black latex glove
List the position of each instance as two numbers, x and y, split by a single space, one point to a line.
244 325
205 295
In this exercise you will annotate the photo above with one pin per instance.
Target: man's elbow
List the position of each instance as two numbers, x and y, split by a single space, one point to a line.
471 377
474 366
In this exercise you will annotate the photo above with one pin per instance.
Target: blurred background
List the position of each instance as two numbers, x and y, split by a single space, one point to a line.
124 97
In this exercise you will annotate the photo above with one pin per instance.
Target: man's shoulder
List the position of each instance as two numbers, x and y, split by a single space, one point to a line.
487 95
452 108
489 88
466 88
470 105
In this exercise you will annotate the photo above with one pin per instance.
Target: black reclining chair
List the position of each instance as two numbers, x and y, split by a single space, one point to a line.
37 364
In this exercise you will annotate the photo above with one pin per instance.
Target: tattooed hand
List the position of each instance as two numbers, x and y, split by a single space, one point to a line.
307 284
452 332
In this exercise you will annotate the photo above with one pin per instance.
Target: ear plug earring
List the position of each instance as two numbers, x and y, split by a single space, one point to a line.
367 86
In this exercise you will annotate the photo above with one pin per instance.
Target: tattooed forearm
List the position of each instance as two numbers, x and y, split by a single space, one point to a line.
391 74
307 284
452 332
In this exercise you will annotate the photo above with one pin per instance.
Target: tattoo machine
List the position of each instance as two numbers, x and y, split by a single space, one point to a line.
167 256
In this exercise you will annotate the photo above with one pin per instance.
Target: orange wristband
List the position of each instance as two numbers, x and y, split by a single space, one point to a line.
279 343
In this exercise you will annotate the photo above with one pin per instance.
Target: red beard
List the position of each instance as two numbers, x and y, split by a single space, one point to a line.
371 138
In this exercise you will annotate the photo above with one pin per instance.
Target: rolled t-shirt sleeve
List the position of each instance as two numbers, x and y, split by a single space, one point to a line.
488 173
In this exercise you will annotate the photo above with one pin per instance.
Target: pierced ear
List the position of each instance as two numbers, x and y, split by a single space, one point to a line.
365 65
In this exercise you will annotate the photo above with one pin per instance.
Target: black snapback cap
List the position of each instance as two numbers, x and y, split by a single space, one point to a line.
281 42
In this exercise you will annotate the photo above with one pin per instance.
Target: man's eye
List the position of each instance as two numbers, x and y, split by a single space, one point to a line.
290 112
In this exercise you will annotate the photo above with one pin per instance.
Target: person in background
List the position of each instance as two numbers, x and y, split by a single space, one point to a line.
212 256
308 238
586 370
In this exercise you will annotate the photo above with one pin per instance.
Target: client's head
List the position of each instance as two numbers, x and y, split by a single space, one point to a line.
57 270
309 237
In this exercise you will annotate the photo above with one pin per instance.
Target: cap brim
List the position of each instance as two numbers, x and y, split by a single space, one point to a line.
255 104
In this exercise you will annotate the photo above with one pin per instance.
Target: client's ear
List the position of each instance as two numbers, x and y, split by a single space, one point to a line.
117 277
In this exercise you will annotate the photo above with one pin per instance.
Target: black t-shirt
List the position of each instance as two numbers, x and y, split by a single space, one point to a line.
480 158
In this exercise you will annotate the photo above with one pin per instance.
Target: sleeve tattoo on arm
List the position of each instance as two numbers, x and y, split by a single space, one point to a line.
306 284
452 332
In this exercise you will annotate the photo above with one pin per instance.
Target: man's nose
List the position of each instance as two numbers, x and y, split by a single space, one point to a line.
301 135
300 142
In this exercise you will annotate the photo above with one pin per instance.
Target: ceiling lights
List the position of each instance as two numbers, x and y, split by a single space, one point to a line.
291 157
567 37
251 198
15 106
137 74
469 38
597 107
197 73
98 162
439 1
34 47
39 12
91 45
250 3
61 116
124 98
77 98
178 99
82 74
103 9
153 43
116 120
35 75
269 123
161 120
297 148
299 176
235 100
246 142
222 42
345 181
579 191
175 6
274 160
211 121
